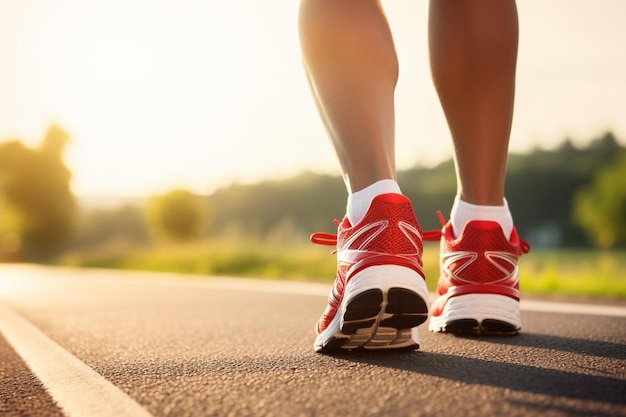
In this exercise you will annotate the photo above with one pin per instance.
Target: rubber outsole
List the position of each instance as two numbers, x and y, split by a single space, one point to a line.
475 327
377 319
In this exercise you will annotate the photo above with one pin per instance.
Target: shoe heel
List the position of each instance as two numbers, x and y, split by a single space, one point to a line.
381 309
384 305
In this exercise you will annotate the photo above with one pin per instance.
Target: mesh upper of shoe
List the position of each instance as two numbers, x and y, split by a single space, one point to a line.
388 227
481 255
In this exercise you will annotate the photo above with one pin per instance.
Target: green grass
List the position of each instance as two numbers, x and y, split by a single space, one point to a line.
231 257
585 273
575 272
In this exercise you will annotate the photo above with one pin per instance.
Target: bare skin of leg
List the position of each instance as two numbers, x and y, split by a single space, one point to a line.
473 53
351 63
352 67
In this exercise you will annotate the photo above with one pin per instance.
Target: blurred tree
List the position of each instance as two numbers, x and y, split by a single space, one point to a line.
600 208
37 206
308 201
177 215
101 226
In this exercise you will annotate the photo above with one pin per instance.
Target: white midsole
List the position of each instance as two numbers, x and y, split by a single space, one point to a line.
478 307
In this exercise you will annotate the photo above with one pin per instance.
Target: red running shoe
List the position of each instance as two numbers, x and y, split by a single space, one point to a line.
379 296
479 283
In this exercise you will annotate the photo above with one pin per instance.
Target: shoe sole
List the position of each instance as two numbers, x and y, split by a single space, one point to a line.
489 314
382 307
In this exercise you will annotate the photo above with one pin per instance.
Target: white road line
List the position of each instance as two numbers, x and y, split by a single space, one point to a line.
573 308
77 389
316 289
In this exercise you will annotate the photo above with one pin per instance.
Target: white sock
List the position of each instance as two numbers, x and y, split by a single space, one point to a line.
359 202
463 212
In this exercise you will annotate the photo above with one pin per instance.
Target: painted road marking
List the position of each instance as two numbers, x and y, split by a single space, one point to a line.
573 308
315 289
77 389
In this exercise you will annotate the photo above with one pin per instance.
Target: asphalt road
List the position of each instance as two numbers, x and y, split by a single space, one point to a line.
91 342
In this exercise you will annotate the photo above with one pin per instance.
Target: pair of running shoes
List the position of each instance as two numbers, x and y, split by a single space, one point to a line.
379 297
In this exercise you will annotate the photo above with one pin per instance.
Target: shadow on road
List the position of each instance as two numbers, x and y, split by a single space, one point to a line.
565 344
515 376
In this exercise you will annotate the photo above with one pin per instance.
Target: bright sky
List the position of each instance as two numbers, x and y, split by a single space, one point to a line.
159 94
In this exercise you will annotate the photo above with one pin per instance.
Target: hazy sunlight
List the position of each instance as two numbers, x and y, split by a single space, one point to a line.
199 94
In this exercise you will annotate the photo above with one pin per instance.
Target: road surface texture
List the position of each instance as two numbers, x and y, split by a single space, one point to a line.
77 342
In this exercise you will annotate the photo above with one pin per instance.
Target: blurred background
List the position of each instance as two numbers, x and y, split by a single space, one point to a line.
182 136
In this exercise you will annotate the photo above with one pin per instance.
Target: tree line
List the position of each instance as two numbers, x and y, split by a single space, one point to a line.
566 197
